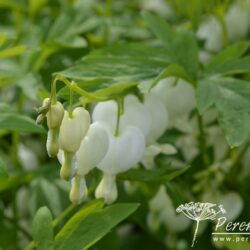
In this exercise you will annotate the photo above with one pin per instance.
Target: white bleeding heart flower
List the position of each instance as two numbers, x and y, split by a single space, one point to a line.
125 150
54 120
72 131
178 105
237 20
159 117
211 31
93 148
128 146
135 114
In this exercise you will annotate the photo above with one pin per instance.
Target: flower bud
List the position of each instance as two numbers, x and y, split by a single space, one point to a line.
93 148
73 129
107 189
55 115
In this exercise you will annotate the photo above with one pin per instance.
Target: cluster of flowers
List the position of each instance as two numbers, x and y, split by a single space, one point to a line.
116 140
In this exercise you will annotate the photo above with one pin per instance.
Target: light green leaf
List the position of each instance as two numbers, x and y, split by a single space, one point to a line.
13 51
3 171
181 45
232 100
30 85
36 5
11 121
156 175
82 231
42 229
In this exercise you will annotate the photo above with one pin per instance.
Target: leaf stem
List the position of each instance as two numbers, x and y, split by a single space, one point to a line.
72 85
202 141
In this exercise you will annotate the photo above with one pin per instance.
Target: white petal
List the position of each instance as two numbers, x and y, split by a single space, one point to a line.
159 117
93 148
73 129
135 114
107 189
106 112
124 151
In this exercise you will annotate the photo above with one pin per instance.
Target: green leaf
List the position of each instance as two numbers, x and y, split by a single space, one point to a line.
3 171
36 5
181 45
231 98
11 121
42 191
173 70
156 175
230 53
42 229
240 65
121 67
14 51
84 229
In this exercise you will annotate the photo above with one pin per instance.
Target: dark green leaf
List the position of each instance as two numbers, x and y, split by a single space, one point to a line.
121 67
19 123
230 53
231 98
42 229
3 171
158 174
181 45
87 227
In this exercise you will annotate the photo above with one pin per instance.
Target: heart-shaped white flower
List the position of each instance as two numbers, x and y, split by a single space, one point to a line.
73 129
124 151
135 114
93 148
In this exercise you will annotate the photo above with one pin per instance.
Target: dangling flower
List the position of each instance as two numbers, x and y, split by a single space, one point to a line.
92 150
135 114
72 131
125 150
54 120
